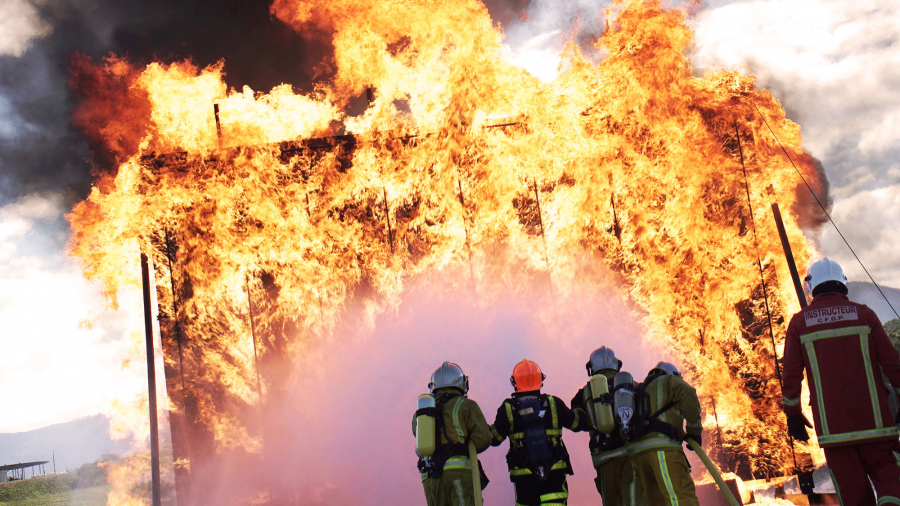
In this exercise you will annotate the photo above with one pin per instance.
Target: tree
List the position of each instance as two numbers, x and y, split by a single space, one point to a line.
892 327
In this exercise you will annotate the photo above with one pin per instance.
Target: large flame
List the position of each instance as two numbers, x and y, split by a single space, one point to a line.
465 169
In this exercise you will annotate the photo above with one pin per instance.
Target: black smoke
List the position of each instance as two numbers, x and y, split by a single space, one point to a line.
46 153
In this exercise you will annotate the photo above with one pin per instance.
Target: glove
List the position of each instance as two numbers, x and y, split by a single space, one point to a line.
797 427
696 437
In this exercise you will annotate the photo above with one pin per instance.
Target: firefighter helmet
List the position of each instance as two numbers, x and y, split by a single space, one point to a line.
527 376
449 375
823 271
603 358
666 368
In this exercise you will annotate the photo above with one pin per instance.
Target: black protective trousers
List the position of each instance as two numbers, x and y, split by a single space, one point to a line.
551 492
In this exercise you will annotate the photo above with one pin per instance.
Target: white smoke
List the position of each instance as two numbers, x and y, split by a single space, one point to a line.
870 221
19 24
835 66
359 393
61 349
535 43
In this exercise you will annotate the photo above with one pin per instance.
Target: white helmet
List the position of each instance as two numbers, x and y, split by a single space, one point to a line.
823 271
667 368
449 375
603 358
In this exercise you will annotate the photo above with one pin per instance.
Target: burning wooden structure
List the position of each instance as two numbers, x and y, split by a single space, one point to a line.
629 173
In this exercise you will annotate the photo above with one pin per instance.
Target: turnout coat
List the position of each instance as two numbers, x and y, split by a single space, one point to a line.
844 350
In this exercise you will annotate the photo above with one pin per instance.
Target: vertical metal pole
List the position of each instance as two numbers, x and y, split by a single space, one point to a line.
617 229
387 213
54 461
253 334
716 415
151 381
462 202
786 245
178 337
537 199
218 124
804 477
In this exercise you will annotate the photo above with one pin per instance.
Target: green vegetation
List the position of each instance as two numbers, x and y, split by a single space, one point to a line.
892 327
85 487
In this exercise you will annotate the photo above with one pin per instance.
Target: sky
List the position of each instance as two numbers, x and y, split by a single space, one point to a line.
834 65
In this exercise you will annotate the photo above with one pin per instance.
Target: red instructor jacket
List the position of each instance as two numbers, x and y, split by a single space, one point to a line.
844 349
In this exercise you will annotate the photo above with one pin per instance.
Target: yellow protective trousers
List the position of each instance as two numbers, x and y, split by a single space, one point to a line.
665 477
452 488
618 484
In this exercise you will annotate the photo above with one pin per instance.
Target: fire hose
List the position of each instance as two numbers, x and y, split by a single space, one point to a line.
476 474
714 472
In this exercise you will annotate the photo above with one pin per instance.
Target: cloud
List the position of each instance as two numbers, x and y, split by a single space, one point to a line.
19 24
46 304
835 66
37 206
869 221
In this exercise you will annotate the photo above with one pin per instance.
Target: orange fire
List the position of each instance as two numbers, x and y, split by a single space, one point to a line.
263 241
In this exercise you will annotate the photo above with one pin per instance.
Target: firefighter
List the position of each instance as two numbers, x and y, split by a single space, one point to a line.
537 459
447 475
659 461
843 348
616 481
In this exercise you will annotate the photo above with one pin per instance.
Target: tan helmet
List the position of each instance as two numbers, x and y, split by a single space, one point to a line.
449 375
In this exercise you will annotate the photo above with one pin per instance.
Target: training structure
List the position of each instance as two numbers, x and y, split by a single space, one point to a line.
192 389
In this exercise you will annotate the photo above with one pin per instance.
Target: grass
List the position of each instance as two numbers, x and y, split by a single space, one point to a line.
95 496
82 488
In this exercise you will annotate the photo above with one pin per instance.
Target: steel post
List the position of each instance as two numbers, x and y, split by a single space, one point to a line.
151 381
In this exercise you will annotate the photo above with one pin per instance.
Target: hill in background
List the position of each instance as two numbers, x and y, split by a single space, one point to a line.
867 293
74 443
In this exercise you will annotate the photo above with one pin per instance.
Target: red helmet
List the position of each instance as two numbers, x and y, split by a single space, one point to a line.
527 376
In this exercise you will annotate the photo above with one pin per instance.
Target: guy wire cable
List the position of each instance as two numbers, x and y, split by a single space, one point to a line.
808 187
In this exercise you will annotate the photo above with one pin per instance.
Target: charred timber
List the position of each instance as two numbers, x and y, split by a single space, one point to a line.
290 149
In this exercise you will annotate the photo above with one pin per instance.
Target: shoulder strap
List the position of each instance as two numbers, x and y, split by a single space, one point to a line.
553 414
662 410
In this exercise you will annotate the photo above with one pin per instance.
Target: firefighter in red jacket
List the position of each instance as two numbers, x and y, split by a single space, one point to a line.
844 348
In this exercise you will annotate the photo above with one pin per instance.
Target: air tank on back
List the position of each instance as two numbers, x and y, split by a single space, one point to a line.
623 395
601 409
425 423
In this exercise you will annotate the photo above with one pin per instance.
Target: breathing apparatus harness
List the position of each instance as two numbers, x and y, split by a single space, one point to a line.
433 465
531 447
641 421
